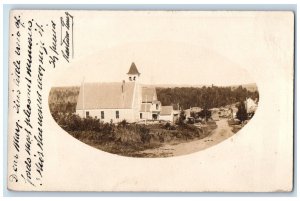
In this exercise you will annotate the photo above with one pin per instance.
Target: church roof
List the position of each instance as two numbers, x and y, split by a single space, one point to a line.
149 94
110 96
106 95
133 69
145 107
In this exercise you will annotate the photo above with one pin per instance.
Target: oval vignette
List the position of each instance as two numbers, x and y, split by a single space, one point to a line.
128 115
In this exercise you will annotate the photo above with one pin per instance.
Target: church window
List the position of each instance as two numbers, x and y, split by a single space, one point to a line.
102 114
117 114
141 115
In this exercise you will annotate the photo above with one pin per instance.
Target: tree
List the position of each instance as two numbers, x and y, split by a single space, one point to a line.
205 114
204 97
194 115
181 117
242 112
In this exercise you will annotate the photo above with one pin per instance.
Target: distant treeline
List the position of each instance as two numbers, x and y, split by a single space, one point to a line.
204 97
64 99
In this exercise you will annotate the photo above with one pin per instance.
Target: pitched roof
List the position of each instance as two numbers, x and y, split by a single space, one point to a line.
133 69
148 94
145 107
166 110
106 95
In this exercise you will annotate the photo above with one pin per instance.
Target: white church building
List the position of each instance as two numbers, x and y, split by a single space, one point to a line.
117 101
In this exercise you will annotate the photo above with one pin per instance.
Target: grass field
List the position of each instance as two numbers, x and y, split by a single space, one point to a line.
133 138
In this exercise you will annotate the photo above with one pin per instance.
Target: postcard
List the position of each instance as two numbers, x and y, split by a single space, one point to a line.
164 101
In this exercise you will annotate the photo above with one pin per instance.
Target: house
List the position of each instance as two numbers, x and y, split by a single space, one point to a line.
225 112
187 113
215 114
250 105
196 109
114 102
167 113
150 106
233 111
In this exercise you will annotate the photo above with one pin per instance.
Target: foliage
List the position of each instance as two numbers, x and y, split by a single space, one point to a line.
63 99
205 114
194 114
169 126
204 97
123 123
181 118
126 138
242 112
191 121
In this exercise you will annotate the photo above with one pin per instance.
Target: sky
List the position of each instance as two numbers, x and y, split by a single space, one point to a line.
167 48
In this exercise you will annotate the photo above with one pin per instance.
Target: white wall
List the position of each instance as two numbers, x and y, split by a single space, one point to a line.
109 114
166 117
153 107
146 115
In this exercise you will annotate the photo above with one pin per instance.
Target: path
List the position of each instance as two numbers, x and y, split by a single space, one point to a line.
222 132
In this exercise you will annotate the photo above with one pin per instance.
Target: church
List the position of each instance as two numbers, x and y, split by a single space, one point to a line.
116 101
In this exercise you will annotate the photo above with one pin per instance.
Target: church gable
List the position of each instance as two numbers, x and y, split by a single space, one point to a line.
148 94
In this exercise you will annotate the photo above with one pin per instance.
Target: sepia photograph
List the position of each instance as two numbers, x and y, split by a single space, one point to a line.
150 101
164 109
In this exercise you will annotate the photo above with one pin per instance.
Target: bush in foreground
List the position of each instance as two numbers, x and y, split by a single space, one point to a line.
125 138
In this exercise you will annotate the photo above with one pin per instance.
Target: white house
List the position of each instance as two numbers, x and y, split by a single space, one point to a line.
119 100
251 105
167 113
215 114
188 112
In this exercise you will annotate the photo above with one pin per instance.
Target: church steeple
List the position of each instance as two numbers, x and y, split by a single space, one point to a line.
133 73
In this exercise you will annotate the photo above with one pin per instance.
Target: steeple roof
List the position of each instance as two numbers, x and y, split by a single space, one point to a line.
133 69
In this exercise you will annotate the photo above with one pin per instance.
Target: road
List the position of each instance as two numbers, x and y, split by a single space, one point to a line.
222 132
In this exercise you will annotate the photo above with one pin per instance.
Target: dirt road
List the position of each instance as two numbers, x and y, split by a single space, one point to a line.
222 132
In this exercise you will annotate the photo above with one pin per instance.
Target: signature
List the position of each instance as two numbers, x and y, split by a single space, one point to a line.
67 24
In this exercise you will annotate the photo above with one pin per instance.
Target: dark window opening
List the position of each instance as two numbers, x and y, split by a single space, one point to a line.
156 106
134 78
130 78
154 116
102 114
87 113
117 114
141 115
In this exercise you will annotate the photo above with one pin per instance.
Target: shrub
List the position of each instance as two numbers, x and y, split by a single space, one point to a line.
74 123
169 126
205 114
191 121
181 118
242 112
123 123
